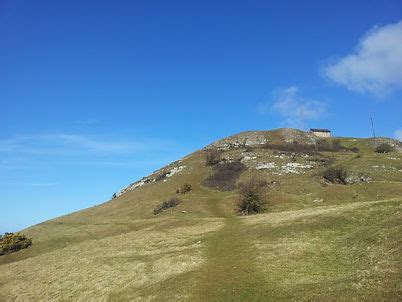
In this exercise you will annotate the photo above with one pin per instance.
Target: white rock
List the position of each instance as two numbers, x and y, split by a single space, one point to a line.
265 166
175 170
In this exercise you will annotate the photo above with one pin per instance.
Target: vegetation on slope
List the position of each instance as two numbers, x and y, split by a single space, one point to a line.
13 242
316 240
252 196
170 203
225 175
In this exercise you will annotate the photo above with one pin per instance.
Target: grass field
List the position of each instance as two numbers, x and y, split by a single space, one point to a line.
315 241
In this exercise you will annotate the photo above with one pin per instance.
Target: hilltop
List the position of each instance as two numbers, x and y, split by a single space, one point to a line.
317 239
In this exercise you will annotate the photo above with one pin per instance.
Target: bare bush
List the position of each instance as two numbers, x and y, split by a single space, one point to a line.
251 198
336 175
185 188
171 203
212 157
225 176
384 148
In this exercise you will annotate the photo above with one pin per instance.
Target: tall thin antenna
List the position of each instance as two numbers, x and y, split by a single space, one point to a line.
372 126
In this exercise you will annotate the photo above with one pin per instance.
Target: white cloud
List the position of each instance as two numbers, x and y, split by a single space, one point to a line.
376 64
294 108
398 134
62 143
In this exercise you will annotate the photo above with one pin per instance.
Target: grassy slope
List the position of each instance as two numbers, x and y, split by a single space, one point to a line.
344 248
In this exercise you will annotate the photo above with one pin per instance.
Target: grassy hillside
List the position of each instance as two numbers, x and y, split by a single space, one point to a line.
315 240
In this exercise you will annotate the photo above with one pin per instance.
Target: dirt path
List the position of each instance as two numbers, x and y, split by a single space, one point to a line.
230 273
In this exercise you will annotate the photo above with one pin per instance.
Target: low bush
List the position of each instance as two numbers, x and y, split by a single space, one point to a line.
171 203
184 189
13 242
354 149
212 157
251 197
225 175
335 175
337 146
384 148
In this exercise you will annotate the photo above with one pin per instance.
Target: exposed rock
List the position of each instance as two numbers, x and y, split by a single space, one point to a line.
252 138
265 166
290 135
375 142
175 170
158 175
352 179
294 168
249 157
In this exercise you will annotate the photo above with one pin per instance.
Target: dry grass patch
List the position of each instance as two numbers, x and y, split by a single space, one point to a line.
95 269
350 252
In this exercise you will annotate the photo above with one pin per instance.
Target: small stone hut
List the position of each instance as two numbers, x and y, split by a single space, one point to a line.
321 132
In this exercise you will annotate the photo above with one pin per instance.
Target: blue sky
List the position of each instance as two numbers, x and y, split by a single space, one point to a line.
96 94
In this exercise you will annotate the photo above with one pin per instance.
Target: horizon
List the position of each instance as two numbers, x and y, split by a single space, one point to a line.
96 96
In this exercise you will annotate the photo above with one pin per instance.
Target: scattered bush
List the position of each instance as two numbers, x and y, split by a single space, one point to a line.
251 197
337 146
384 148
296 147
13 242
354 149
336 175
171 203
225 176
184 189
213 157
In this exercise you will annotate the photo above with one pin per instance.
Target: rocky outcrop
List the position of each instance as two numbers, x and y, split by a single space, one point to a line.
251 138
375 142
259 138
159 175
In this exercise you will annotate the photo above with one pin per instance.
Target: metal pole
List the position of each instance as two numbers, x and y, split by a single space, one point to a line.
372 126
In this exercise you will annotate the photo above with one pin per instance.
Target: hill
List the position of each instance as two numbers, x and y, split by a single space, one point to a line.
316 240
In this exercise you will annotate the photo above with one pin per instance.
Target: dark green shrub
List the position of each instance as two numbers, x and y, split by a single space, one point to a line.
13 242
384 148
171 203
212 157
184 189
251 197
336 175
225 175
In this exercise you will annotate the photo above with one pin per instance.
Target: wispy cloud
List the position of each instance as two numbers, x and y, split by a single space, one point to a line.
375 66
398 134
62 143
293 107
32 152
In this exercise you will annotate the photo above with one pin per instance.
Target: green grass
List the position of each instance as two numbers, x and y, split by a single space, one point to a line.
346 247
